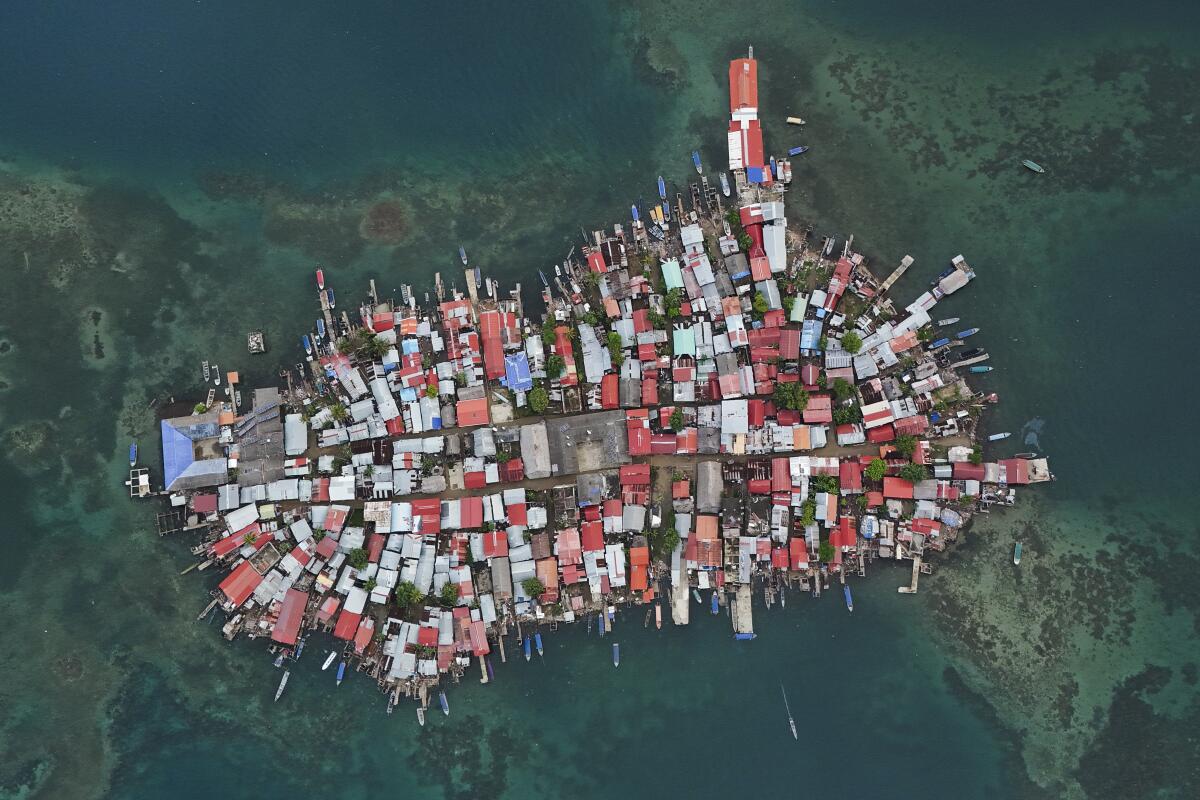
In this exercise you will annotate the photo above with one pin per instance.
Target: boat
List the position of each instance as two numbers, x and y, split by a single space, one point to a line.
444 703
299 650
341 676
612 613
206 369
795 121
421 716
329 660
995 437
696 594
133 454
666 211
980 369
971 353
558 270
791 722
282 684
662 188
320 278
634 211
716 604
307 342
966 333
216 374
696 162
462 254
278 662
545 282
537 642
320 329
724 184
849 599
658 616
528 650
1017 553
782 597
948 321
616 654
600 617
774 170
1033 165
490 673
1025 455
942 342
795 151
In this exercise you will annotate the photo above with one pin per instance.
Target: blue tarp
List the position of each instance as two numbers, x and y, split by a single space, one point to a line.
516 372
755 175
177 452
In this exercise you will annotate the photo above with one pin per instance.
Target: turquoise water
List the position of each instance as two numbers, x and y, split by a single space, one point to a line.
169 176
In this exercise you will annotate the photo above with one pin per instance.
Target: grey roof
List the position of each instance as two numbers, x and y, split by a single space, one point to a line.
708 487
587 442
202 473
535 451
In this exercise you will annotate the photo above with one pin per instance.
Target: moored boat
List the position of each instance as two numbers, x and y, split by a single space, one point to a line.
421 716
525 644
942 342
633 210
716 604
329 296
341 676
724 184
795 151
967 332
662 188
133 454
948 321
282 684
658 616
537 642
795 121
206 368
696 594
849 599
444 703
696 162
1017 553
995 437
788 708
329 660
600 619
980 369
462 254
216 374
616 654
545 282
1033 166
320 328
320 278
307 342
666 211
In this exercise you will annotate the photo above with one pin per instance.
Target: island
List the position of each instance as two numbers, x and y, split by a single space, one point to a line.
714 404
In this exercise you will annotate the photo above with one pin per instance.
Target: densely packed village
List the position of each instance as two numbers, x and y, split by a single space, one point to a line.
713 406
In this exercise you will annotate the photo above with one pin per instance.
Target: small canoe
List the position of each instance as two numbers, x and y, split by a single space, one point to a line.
980 369
1017 554
795 151
421 716
795 121
526 645
948 321
616 654
967 332
995 437
662 188
634 211
600 618
716 604
462 254
696 594
329 660
537 642
849 599
657 616
696 162
329 294
444 703
341 676
133 454
1033 166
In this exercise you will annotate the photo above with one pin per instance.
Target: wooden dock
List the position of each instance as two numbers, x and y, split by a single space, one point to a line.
916 576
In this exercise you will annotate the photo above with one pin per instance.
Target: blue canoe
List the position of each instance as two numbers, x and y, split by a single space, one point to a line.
329 294
341 673
662 188
774 169
527 648
696 161
744 637
635 212
616 654
941 342
307 344
849 599
716 605
444 703
795 151
601 618
133 454
967 332
979 370
666 209
537 642
320 328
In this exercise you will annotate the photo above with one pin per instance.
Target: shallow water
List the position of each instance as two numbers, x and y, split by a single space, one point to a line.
170 176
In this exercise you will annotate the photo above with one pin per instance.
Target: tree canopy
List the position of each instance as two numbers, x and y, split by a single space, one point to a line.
555 366
677 419
790 396
842 389
358 558
539 399
614 349
914 472
533 587
825 552
876 469
449 593
851 342
407 594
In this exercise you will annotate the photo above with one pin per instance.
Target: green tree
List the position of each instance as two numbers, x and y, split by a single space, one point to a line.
844 415
876 469
548 335
976 456
614 349
674 302
533 587
842 389
925 334
790 396
825 483
808 512
744 241
590 318
825 552
407 594
760 304
199 408
914 473
657 320
358 558
788 303
733 218
539 399
823 343
906 445
851 342
663 542
449 594
370 584
555 366
431 390
677 419
339 412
